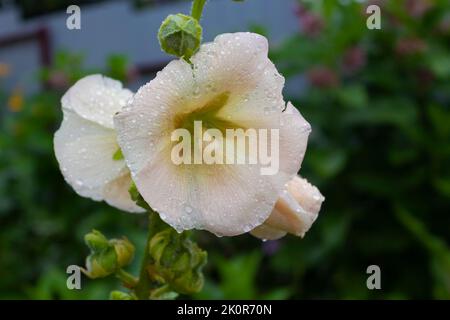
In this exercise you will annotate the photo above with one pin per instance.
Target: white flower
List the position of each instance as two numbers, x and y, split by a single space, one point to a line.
231 84
86 143
295 211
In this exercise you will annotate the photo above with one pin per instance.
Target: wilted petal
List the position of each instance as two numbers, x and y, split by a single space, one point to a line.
96 98
295 211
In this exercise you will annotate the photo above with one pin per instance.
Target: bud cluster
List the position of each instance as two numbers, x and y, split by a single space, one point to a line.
107 256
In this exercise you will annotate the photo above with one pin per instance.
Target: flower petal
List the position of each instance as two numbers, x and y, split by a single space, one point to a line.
223 199
85 150
146 123
116 194
96 98
266 232
295 211
238 63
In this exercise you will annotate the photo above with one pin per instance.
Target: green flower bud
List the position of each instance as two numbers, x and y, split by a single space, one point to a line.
124 251
101 264
119 295
107 256
178 261
180 35
96 241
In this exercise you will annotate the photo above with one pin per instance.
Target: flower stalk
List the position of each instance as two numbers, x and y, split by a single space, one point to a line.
146 282
197 9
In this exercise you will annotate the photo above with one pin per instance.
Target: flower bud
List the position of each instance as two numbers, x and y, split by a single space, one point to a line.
96 241
107 256
124 251
101 264
295 211
180 35
178 261
119 295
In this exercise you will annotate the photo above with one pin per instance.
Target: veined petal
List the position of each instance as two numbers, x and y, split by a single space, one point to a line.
146 123
232 81
96 98
295 211
85 150
224 199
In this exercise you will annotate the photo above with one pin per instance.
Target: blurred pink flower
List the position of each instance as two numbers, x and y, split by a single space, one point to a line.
311 24
58 80
354 59
322 77
444 25
417 8
410 46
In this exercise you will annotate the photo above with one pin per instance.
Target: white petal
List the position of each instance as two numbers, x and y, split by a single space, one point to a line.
234 62
116 194
223 199
238 63
85 150
146 123
96 98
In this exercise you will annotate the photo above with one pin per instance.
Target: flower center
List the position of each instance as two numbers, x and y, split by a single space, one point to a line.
208 115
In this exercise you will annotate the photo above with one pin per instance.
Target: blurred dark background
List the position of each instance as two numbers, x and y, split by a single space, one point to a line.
378 102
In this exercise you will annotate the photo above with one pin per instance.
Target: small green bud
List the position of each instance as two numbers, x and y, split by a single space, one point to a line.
163 293
124 251
119 295
107 256
180 35
96 241
101 264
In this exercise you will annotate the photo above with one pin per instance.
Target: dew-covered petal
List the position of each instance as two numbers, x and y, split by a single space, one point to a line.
238 63
85 150
234 62
224 199
116 194
266 232
146 123
296 209
96 98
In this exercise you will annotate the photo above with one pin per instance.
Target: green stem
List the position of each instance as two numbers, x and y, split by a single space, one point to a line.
197 9
145 284
128 279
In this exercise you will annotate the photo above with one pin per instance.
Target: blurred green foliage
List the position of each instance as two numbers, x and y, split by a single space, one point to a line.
379 105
